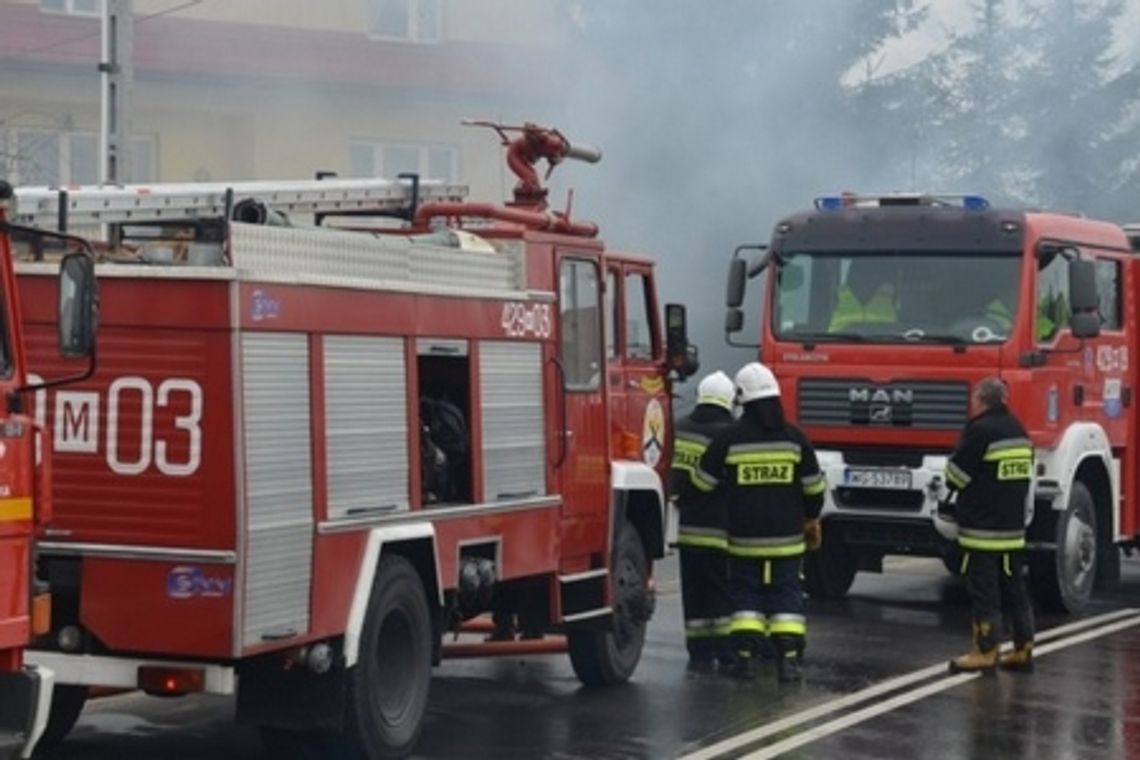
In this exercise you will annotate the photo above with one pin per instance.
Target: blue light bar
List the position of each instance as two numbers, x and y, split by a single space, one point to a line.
829 203
975 203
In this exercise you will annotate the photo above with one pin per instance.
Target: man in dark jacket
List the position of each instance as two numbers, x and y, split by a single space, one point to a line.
702 538
991 470
774 491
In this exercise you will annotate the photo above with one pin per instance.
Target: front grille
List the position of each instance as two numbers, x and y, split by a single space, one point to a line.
897 537
856 402
879 498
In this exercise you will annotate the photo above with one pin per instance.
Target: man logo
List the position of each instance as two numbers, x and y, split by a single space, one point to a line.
880 405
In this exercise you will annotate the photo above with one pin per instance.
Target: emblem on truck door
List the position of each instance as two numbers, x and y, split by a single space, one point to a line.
880 405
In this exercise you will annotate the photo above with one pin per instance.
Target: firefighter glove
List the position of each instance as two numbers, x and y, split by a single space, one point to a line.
813 534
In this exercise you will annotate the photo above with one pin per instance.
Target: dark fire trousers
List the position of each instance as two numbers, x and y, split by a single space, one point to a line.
995 582
706 602
768 601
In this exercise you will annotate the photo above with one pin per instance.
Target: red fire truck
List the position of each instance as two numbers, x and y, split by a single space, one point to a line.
881 312
311 451
25 472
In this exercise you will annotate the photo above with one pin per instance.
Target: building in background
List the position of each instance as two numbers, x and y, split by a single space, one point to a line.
264 89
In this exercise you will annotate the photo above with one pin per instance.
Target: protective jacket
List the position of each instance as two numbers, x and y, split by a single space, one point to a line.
991 468
702 512
849 310
771 483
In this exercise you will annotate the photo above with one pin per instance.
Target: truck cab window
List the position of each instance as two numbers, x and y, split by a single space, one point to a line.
638 313
1108 288
612 315
1052 312
579 325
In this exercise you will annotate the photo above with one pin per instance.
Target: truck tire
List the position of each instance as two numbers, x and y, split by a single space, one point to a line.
67 701
607 658
1063 579
952 559
388 686
829 572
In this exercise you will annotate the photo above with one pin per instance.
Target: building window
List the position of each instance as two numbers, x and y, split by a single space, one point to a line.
92 8
52 157
383 159
406 20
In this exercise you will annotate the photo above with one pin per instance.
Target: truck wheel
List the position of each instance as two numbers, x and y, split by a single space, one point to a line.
606 658
388 686
1063 579
287 744
952 559
67 702
829 572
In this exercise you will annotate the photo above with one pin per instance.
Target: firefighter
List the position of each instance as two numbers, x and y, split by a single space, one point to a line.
702 537
866 297
990 472
773 489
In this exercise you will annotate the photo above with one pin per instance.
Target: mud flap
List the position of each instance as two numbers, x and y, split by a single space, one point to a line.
25 701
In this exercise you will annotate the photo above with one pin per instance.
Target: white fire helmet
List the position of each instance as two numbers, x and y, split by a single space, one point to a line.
755 381
716 389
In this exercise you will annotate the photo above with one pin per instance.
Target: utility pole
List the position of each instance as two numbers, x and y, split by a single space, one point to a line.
117 75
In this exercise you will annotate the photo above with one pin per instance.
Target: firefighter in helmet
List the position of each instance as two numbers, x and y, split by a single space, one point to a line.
773 489
990 473
702 537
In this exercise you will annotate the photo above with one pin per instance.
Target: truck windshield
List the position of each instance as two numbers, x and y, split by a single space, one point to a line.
896 296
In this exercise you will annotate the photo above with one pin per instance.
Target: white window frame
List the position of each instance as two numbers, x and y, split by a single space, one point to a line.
412 32
69 9
10 140
423 151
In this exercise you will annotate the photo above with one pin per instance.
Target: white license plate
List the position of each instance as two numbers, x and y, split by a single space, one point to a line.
877 478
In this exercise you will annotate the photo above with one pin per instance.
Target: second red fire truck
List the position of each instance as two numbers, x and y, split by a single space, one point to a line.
879 315
310 452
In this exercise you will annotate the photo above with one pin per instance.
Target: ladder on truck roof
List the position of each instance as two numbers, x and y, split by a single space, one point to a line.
60 208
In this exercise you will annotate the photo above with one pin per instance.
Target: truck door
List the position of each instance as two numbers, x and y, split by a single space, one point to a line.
641 360
582 434
1060 350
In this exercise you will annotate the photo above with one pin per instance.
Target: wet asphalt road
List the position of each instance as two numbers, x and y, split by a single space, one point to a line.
1083 701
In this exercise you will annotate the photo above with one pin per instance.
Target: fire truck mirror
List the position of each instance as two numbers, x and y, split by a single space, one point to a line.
682 357
737 274
1083 296
1085 324
77 305
733 320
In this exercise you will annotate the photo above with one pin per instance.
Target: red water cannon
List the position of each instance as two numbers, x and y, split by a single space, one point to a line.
532 144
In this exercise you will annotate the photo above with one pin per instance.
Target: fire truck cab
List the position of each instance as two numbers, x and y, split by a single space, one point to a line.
879 314
25 471
313 450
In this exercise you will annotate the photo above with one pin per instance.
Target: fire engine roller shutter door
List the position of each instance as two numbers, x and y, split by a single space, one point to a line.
278 485
514 444
366 424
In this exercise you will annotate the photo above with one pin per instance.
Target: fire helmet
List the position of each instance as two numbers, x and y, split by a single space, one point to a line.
716 389
755 381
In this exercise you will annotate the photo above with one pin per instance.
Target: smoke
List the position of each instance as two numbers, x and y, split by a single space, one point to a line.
716 119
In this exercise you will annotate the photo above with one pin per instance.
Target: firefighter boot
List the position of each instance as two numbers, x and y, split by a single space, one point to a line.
983 655
1020 659
789 654
742 666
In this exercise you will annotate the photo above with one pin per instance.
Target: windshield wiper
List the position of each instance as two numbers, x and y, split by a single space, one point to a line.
828 337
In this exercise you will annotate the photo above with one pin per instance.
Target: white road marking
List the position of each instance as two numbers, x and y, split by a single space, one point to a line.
910 697
739 741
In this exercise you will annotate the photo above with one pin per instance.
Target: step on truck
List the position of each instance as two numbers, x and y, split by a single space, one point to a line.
879 314
25 462
336 421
